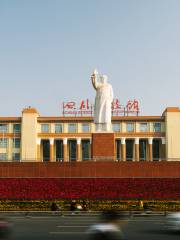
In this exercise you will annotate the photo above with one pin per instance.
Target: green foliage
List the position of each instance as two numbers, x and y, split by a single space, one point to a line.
93 205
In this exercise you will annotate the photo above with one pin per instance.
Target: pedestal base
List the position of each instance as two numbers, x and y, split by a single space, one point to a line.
103 146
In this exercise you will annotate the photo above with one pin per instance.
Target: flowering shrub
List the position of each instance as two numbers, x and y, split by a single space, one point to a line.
89 188
93 205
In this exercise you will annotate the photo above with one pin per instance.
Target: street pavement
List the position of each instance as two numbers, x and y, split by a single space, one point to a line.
74 227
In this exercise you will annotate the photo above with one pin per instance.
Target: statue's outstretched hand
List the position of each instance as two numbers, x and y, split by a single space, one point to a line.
93 79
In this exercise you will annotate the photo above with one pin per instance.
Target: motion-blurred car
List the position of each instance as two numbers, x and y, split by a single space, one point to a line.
5 229
173 221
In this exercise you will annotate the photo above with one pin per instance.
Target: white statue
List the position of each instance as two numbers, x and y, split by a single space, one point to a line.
103 101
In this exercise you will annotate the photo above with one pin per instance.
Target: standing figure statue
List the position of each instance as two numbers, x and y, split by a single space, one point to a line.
103 101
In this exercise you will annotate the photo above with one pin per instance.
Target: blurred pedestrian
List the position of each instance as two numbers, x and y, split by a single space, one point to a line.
108 228
54 207
79 207
5 230
73 205
84 206
141 204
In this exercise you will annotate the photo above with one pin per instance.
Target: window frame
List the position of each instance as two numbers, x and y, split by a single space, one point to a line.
15 154
6 156
75 130
83 125
15 145
116 124
16 131
58 124
4 143
6 130
147 127
155 128
43 125
133 129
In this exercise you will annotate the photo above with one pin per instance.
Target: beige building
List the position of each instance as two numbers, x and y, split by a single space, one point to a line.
137 138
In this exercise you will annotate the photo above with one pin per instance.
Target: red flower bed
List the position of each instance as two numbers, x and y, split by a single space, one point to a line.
91 188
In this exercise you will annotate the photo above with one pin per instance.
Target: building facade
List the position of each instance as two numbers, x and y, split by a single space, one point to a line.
32 137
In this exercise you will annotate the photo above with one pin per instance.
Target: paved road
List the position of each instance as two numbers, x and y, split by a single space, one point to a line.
74 227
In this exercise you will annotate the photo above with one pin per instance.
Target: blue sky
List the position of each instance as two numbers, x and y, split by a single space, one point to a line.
49 48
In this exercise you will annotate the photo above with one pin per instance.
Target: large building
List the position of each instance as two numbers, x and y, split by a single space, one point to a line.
32 137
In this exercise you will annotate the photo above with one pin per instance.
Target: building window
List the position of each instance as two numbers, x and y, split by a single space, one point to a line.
16 156
157 127
129 127
16 128
142 149
86 150
156 149
118 149
72 150
3 128
16 142
85 127
3 156
72 127
46 150
3 142
58 128
143 127
129 149
59 150
116 127
44 128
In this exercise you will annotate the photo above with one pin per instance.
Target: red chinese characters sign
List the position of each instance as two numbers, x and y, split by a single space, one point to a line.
131 108
85 108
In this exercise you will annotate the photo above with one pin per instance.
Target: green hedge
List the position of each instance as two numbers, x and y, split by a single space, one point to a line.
93 205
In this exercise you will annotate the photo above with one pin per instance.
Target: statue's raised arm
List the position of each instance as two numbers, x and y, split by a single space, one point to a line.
94 79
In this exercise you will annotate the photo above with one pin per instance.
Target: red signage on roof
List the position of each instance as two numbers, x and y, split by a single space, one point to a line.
85 108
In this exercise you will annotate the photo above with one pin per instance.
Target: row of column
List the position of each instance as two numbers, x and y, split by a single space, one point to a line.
65 149
123 149
150 143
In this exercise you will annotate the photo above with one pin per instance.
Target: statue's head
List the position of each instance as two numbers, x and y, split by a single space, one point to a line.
104 79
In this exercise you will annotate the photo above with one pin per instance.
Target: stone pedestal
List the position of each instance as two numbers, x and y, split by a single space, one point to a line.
103 146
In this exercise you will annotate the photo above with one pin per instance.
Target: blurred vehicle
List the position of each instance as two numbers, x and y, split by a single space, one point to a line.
173 221
108 228
5 229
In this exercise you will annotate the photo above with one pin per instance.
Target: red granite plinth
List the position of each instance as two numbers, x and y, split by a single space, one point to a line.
103 146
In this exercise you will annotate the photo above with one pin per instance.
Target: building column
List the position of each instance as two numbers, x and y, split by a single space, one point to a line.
65 152
163 149
150 141
79 150
51 149
136 149
90 149
10 147
38 153
123 149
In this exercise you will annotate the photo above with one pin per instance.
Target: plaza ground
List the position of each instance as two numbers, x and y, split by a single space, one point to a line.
73 227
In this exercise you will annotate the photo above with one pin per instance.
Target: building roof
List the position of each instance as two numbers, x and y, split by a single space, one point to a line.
10 119
30 110
90 119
